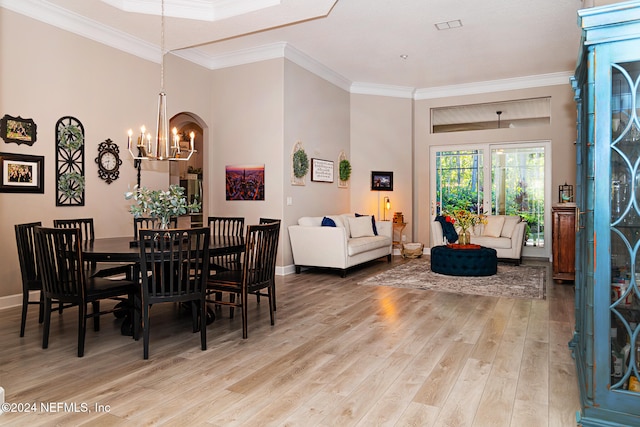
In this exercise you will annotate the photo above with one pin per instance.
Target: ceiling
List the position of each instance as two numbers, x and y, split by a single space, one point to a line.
355 43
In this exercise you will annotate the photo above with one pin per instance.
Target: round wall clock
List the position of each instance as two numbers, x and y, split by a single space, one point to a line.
108 161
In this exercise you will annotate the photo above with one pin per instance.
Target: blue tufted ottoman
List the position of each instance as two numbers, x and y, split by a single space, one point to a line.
464 262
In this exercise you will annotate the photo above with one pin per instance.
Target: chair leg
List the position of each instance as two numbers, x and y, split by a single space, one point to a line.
245 299
47 323
203 324
25 305
272 302
145 330
95 306
41 314
82 327
194 316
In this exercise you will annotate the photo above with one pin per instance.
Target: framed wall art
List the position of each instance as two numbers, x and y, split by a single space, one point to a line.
21 173
321 170
18 130
245 182
382 181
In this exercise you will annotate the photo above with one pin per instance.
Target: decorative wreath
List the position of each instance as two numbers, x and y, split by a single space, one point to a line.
345 170
71 184
70 137
300 163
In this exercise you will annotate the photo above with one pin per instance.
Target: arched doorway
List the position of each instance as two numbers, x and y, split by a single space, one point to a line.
189 174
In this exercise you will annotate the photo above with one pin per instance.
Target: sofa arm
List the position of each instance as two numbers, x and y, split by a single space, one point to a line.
517 238
437 235
385 228
318 246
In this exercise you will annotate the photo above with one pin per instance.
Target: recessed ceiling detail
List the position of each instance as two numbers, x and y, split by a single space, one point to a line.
203 10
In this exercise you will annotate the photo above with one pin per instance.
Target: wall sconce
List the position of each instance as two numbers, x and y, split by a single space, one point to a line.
387 206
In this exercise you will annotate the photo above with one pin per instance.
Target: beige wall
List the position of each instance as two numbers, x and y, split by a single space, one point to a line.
381 140
561 132
109 91
252 114
316 113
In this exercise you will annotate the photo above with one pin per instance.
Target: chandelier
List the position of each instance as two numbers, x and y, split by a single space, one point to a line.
163 147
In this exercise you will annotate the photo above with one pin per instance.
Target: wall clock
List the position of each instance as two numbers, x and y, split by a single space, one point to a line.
108 161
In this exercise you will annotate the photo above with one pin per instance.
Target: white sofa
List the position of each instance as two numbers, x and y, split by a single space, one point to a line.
349 243
504 233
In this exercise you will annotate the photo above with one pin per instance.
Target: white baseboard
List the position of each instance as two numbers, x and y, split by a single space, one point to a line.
16 300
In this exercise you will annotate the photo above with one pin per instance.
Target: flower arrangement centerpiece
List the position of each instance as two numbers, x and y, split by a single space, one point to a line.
463 219
161 204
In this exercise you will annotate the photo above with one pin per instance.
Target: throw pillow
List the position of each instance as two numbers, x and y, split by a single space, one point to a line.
373 223
510 223
493 227
328 222
360 226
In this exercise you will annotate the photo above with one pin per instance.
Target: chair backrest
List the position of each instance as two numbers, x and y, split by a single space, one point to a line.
269 220
226 226
174 263
150 222
259 265
84 224
60 263
27 255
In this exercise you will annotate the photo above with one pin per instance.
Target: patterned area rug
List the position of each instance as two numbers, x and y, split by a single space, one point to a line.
523 281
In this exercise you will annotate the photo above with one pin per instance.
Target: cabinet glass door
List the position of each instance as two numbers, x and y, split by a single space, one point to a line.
625 227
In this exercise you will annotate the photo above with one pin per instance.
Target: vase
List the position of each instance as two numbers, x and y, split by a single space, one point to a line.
464 238
164 222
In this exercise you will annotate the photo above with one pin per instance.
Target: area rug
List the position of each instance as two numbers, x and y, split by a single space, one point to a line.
523 281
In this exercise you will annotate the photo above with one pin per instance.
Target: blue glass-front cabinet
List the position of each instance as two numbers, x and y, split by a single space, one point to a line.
606 342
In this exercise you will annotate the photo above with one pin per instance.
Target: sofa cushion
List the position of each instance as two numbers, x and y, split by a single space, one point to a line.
361 226
510 223
373 223
328 222
360 245
492 242
493 227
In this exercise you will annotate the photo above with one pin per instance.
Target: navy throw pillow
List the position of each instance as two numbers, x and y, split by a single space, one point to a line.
373 223
328 222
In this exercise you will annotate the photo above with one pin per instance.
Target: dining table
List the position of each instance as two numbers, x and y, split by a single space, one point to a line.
125 250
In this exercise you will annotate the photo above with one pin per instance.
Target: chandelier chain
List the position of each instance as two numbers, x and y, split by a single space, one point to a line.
162 47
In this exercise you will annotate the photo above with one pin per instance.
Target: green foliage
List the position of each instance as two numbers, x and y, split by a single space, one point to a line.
300 163
345 170
71 184
70 137
160 204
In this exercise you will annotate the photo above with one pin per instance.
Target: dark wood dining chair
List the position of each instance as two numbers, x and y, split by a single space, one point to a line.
259 293
150 222
66 280
87 233
258 270
28 270
221 228
174 266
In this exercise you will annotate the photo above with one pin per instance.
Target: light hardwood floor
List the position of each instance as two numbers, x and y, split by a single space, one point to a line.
340 354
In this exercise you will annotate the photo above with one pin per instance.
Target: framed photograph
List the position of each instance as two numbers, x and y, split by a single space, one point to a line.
382 181
21 173
321 170
18 130
245 182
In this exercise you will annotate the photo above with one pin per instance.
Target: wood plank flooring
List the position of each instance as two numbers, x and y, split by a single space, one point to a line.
340 354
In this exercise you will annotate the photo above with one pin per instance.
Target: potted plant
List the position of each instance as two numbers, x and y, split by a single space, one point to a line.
161 204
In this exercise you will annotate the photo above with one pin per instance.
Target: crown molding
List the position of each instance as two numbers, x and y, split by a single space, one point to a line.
381 90
61 18
551 79
48 13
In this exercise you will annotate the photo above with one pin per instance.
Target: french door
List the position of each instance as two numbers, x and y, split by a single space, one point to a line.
497 179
